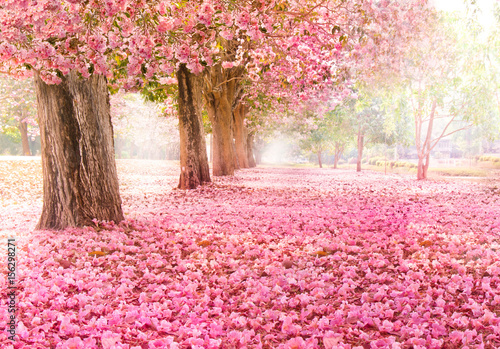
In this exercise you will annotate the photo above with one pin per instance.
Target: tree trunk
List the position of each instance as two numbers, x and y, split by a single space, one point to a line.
80 181
251 158
194 160
338 153
241 135
420 168
360 149
211 147
319 159
423 166
221 88
23 129
219 110
235 159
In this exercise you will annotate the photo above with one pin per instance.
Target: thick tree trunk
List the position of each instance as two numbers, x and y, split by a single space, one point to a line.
221 88
194 160
235 159
319 159
241 135
211 147
23 129
221 115
80 181
360 149
250 156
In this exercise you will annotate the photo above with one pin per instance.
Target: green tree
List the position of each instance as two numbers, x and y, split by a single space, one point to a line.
446 83
369 120
18 111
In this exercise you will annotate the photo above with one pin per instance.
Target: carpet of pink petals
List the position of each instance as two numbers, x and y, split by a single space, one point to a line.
269 258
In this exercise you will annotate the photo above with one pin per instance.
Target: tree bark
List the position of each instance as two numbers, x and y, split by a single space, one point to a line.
211 147
251 158
360 149
221 116
80 181
193 154
235 159
241 135
221 88
319 159
23 129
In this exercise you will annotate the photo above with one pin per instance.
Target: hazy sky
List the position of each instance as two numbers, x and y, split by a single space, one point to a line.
486 7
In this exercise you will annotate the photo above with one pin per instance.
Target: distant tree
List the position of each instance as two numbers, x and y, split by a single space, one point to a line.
369 119
447 83
316 137
143 126
341 129
18 110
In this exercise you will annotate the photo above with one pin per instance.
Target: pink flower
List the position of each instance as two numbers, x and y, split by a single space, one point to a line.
110 339
165 25
168 81
226 34
73 343
65 327
205 14
161 343
296 343
97 42
183 53
243 20
6 51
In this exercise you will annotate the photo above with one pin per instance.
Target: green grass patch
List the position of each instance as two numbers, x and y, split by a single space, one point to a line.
459 172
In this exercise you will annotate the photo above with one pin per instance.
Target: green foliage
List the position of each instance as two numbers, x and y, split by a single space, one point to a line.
381 162
485 158
460 172
10 145
371 118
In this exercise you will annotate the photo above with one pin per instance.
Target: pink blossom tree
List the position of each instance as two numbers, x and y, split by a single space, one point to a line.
62 46
74 48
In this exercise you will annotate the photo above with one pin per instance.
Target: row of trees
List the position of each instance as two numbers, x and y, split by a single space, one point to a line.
447 84
219 56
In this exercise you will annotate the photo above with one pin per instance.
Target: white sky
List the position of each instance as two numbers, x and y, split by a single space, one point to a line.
486 7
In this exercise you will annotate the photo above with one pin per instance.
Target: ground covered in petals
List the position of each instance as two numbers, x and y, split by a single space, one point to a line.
269 258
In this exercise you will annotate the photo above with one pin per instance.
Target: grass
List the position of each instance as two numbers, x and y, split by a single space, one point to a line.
489 164
434 172
460 172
